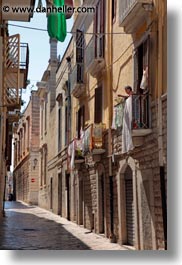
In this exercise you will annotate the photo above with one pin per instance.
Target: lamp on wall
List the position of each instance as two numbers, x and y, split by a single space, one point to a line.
35 163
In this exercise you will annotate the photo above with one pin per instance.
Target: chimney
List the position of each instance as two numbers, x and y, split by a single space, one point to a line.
53 68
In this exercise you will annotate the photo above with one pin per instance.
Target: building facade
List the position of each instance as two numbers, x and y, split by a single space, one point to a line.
102 157
26 153
13 76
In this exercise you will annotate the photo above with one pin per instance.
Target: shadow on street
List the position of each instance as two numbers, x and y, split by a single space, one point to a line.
26 231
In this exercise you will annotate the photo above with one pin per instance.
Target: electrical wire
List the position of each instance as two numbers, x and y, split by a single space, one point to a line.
68 32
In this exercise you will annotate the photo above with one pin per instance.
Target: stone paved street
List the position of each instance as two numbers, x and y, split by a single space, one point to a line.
32 228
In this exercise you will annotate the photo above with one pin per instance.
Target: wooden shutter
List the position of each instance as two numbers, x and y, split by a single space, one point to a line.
79 46
98 104
135 70
146 56
81 120
102 28
59 128
99 27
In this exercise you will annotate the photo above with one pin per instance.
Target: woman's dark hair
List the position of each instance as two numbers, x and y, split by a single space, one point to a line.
128 87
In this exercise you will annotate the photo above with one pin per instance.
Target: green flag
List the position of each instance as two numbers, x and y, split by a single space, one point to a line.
57 22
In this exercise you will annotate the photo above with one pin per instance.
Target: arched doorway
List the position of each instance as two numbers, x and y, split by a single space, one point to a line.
128 203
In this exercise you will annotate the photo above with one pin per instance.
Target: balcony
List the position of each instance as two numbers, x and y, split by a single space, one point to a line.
42 89
141 118
77 80
132 13
16 61
93 139
141 122
94 56
26 5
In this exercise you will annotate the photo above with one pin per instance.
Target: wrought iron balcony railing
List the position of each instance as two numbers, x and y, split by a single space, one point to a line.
77 80
94 55
141 111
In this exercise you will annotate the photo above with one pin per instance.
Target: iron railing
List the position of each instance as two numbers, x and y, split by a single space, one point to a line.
77 75
141 111
94 49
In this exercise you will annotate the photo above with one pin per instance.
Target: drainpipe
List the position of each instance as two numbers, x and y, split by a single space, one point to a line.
69 99
160 129
109 100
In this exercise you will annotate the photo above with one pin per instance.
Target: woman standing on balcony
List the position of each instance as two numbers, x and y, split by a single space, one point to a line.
127 143
128 91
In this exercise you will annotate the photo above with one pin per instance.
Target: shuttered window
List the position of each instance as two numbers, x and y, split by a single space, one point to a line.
59 128
80 55
66 125
98 105
113 10
80 121
79 46
99 27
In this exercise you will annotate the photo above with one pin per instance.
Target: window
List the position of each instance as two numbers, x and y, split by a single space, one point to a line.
66 125
80 55
141 106
45 165
21 143
28 133
18 150
59 128
24 144
98 105
80 121
45 116
41 169
113 10
99 27
41 119
141 63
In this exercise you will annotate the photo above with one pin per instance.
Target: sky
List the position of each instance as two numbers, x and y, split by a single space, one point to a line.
39 47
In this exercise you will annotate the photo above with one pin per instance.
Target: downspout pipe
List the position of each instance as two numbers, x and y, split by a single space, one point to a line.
109 99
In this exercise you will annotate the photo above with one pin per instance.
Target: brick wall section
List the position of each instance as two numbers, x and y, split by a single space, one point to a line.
147 155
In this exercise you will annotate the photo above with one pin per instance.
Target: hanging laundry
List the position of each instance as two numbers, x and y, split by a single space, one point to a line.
144 82
71 155
87 141
97 135
118 116
127 143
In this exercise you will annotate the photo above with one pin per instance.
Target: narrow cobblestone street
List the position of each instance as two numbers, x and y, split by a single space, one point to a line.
32 228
